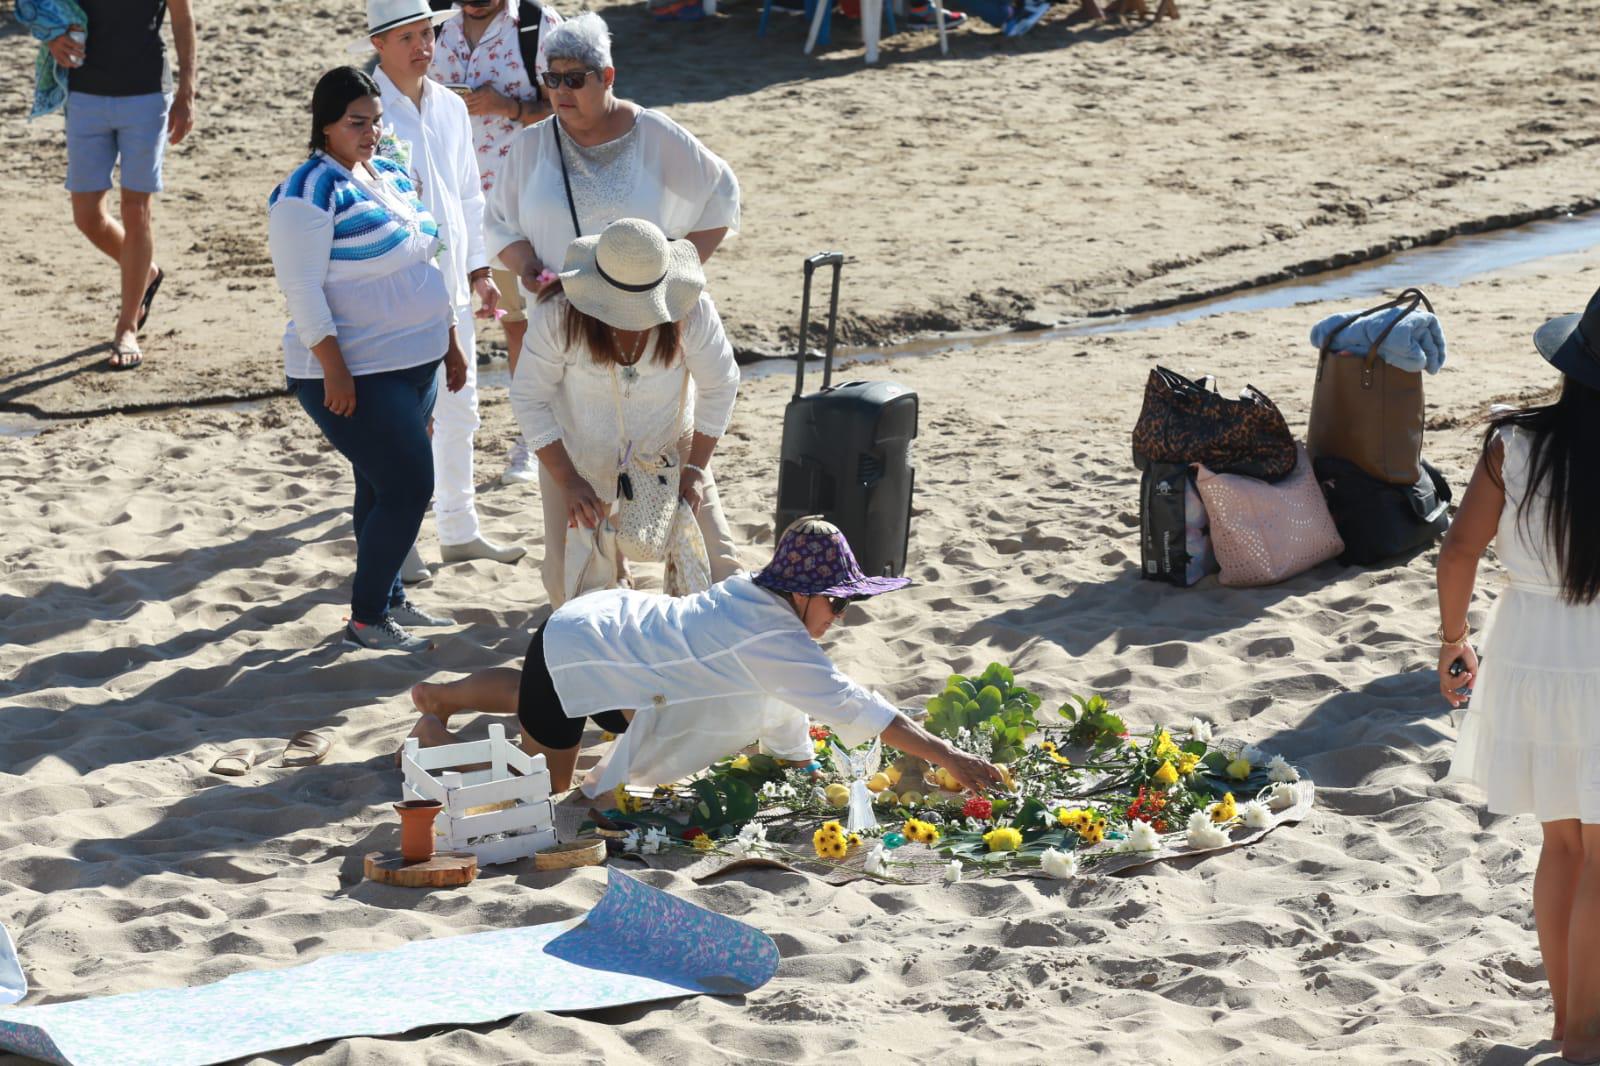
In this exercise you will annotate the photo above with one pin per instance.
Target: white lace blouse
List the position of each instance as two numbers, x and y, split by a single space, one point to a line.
559 393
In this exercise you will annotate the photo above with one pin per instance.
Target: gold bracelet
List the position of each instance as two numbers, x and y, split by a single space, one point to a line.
1446 642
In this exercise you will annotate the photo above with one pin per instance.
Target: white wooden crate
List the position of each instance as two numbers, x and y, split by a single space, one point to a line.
511 777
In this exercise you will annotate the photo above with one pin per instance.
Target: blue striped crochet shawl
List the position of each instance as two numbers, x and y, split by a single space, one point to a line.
362 227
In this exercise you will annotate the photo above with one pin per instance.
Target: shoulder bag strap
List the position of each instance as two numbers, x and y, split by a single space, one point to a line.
572 208
530 23
1410 299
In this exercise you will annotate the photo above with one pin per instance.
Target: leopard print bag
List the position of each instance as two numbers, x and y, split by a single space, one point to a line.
1184 422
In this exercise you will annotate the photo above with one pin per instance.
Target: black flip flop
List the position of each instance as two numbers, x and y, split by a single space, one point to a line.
149 297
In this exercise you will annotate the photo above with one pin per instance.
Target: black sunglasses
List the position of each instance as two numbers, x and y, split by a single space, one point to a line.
575 79
837 604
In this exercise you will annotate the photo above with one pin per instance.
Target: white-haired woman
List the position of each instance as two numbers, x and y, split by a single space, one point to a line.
618 159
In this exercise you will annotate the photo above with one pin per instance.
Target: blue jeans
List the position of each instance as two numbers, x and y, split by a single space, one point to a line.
386 441
995 12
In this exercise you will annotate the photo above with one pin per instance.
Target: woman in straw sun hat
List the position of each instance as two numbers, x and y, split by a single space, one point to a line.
625 363
1531 738
687 680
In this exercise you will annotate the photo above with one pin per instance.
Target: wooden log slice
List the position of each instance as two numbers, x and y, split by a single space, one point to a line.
447 869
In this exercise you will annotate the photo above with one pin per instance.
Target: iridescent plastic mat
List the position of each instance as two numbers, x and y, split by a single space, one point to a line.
637 944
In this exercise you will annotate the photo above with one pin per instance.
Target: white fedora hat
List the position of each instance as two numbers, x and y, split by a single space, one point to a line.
631 277
383 15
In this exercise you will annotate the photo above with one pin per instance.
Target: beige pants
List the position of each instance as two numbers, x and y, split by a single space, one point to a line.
553 498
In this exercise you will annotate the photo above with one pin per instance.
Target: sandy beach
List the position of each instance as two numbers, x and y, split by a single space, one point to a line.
172 583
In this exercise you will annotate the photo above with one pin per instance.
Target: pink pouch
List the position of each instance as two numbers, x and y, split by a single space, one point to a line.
1264 532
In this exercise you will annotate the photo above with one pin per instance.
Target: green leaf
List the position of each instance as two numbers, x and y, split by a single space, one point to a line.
708 812
990 700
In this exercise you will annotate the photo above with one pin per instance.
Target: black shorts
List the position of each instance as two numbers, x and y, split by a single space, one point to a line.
539 708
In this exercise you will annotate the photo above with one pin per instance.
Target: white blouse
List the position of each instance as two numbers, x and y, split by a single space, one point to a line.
388 311
666 176
559 393
703 674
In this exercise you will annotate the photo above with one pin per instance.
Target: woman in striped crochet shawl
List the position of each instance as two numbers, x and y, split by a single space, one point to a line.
355 254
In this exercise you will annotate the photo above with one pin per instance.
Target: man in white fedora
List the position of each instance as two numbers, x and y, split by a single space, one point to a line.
428 131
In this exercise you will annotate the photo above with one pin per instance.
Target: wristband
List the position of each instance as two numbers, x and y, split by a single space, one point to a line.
1446 642
478 274
697 469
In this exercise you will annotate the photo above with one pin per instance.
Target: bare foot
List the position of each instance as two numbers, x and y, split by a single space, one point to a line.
1580 1051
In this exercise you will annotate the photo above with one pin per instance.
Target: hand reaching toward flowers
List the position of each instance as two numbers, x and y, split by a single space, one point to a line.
969 771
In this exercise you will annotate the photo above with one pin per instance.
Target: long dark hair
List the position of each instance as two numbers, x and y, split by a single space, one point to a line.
335 92
579 329
1563 462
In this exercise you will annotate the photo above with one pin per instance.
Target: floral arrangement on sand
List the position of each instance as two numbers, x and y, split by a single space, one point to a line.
1079 787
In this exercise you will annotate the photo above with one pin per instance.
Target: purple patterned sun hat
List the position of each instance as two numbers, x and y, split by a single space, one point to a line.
814 559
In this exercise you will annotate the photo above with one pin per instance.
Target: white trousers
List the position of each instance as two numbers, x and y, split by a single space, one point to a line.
455 420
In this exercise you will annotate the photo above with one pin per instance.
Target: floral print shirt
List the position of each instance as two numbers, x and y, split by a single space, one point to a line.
497 64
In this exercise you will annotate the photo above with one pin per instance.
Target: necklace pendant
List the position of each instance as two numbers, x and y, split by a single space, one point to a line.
630 374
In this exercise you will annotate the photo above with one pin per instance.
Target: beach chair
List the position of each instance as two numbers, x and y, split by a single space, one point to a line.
819 17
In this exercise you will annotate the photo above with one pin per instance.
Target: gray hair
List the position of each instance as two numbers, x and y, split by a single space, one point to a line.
584 39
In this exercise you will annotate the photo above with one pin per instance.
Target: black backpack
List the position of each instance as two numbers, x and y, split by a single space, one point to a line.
1379 521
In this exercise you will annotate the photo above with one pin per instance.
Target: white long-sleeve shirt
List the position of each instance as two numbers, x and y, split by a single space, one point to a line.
699 672
444 163
354 254
560 394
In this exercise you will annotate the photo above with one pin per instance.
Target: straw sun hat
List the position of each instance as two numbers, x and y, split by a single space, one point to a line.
631 277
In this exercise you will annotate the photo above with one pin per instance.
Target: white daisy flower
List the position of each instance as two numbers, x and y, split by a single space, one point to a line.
1254 754
1279 770
1058 864
877 861
1142 836
654 839
952 873
1201 729
1255 815
1279 797
1203 833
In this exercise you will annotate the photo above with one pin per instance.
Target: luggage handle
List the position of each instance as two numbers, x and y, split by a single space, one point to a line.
815 262
1412 298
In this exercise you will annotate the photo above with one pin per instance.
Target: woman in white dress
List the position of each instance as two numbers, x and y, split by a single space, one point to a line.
624 361
1531 738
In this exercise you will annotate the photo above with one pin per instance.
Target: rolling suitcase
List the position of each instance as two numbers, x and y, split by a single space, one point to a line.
846 451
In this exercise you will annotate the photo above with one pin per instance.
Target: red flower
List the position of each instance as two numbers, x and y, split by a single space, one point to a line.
1148 807
819 732
692 832
977 807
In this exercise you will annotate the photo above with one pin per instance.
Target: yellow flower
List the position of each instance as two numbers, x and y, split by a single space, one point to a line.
1187 761
703 842
741 763
1003 839
1047 745
626 803
1093 832
1074 818
1165 748
829 840
853 840
1225 811
819 746
1166 775
920 832
1239 768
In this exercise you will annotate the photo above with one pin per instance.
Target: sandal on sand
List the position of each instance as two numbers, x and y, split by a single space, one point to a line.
235 763
306 748
149 296
125 356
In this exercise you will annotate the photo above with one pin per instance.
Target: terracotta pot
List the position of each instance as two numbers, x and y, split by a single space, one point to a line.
416 828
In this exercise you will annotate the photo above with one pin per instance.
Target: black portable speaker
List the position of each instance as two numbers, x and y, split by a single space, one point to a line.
846 451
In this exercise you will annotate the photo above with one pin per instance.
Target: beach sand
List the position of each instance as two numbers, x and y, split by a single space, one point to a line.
172 585
1079 168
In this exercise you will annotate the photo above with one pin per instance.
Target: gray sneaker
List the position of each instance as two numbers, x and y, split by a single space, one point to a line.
407 613
384 636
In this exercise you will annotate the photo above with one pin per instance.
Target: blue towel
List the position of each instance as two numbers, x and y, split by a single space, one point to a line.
1417 343
47 20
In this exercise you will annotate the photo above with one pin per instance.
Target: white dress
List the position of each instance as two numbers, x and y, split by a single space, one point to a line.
1531 734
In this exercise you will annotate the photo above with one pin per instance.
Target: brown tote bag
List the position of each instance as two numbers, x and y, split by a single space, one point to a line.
1367 411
